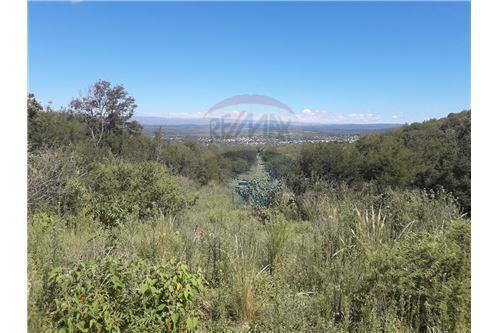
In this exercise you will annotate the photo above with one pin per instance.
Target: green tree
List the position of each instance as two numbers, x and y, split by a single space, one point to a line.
52 129
105 109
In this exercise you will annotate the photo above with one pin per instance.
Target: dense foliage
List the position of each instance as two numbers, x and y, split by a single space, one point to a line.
108 191
131 233
115 296
145 189
279 166
430 155
241 160
75 129
260 193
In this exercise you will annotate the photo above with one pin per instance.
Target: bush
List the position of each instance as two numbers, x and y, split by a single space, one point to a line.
260 192
278 166
51 129
115 296
194 161
145 189
240 160
54 181
424 280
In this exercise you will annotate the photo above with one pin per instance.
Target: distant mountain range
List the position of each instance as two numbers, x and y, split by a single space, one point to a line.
164 121
202 123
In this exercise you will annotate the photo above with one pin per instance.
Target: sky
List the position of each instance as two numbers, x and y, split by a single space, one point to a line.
330 62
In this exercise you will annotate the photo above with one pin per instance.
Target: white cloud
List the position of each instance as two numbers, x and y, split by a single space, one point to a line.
180 115
319 116
305 116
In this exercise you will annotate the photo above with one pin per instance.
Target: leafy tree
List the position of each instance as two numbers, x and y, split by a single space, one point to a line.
105 109
386 160
53 129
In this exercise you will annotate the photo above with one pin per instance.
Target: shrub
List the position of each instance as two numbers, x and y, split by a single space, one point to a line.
424 280
54 181
50 129
278 166
260 192
111 295
146 189
240 161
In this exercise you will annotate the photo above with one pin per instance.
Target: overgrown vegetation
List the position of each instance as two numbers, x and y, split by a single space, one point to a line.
113 296
129 233
431 155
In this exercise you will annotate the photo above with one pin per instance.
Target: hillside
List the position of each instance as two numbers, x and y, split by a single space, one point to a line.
431 155
133 233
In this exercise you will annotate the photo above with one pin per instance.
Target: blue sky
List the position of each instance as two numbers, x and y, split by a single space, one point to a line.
338 62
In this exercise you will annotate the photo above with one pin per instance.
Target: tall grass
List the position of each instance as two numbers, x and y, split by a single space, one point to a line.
335 261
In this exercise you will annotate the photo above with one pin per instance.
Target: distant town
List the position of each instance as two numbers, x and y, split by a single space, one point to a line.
266 140
296 134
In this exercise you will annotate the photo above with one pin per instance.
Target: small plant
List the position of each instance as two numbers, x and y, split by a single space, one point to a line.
113 296
277 234
370 229
260 192
244 276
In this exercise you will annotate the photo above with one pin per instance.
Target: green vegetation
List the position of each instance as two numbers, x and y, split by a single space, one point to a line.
435 155
260 192
130 233
112 295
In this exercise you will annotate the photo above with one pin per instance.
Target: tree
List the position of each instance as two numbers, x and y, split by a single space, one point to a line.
33 106
48 128
158 140
105 109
